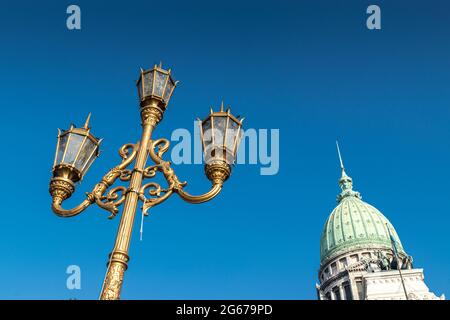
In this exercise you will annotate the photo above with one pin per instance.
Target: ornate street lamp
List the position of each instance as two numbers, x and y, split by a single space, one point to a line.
77 148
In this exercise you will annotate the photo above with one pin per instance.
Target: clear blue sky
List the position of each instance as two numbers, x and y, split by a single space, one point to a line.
309 68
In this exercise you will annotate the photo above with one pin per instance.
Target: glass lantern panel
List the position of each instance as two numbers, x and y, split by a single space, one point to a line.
139 87
219 130
148 83
232 132
160 82
207 133
168 90
61 148
87 150
73 147
92 156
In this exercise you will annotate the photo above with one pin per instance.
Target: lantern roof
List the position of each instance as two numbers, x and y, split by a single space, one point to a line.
85 130
223 113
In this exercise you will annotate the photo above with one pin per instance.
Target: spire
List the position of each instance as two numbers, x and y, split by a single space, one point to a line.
345 182
344 175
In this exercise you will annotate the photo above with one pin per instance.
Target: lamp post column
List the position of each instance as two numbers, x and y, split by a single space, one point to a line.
112 285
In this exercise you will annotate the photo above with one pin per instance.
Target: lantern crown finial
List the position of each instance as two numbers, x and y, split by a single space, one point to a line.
86 124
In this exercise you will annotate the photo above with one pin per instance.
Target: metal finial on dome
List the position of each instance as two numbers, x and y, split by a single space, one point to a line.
339 154
344 175
345 182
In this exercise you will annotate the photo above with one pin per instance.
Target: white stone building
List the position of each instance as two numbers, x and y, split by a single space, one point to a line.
357 255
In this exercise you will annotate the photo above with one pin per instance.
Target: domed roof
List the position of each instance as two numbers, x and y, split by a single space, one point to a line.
355 224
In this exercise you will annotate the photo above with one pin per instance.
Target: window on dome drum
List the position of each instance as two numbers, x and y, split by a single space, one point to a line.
337 293
343 263
333 268
328 296
348 291
366 255
359 287
354 258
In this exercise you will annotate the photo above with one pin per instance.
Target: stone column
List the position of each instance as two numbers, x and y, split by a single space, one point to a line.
354 289
333 297
341 290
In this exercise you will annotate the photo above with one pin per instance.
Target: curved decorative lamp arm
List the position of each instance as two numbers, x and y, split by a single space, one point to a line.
214 191
59 193
153 188
219 146
174 184
77 148
217 172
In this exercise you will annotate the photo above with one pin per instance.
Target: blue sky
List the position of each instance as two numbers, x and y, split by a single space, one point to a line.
308 68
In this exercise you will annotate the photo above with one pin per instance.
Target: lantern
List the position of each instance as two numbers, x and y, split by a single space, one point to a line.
220 134
76 150
155 84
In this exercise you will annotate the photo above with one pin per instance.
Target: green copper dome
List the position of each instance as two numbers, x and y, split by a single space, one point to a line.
355 224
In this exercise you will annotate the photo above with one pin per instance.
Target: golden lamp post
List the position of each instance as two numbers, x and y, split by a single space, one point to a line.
77 148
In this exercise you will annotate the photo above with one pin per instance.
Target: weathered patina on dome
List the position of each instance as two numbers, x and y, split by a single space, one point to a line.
355 224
